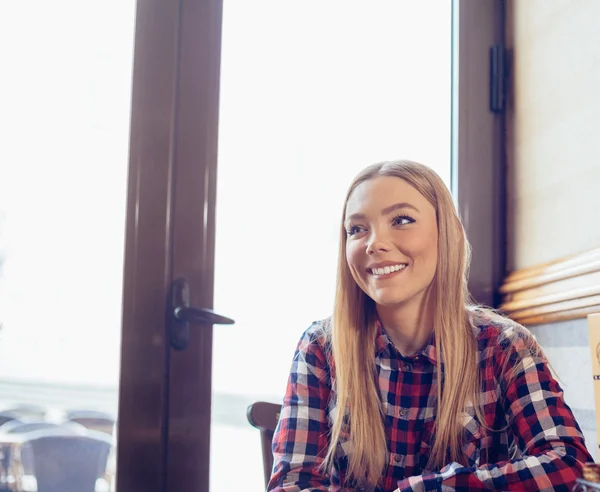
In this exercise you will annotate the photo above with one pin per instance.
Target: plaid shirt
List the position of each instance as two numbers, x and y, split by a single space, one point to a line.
541 449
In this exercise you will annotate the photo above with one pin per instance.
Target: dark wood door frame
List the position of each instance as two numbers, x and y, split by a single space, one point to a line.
193 253
478 144
142 433
165 396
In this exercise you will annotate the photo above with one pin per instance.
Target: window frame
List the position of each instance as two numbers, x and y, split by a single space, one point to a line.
478 144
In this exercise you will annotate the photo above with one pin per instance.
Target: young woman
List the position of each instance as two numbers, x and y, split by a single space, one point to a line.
408 386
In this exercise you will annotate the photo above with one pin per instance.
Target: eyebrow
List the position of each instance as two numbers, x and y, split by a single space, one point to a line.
386 210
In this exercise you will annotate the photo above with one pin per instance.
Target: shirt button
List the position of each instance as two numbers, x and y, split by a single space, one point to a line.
407 367
397 458
403 412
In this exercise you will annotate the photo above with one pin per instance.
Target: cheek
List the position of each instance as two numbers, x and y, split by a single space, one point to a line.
431 251
353 256
355 259
423 248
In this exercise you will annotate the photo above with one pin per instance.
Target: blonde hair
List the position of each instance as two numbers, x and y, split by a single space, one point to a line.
353 335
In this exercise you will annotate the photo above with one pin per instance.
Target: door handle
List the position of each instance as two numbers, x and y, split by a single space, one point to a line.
180 315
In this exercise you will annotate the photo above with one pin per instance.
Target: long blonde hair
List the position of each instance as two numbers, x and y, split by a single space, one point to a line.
353 335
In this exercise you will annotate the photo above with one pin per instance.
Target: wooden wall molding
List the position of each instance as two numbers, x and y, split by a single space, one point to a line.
568 288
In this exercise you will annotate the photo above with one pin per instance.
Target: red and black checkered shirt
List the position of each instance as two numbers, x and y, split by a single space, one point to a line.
541 448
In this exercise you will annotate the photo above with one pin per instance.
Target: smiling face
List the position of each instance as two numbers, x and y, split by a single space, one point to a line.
391 241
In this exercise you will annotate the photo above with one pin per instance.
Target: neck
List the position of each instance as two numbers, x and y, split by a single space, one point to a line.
409 326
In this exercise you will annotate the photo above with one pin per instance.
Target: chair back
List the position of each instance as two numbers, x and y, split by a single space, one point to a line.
27 411
7 416
98 421
264 416
23 427
67 461
19 426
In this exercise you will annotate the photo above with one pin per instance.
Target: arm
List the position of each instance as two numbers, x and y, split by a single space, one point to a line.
301 438
552 447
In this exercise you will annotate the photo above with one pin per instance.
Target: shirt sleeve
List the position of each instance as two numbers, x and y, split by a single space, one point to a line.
552 446
301 438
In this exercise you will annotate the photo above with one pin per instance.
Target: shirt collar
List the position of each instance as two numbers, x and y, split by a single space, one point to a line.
429 352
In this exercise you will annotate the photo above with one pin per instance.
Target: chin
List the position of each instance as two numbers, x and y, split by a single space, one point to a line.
394 297
390 300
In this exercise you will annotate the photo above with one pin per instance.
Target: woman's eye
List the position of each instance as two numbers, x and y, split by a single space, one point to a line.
353 229
402 220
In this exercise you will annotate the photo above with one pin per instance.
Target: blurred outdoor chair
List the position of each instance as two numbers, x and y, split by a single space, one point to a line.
7 416
26 411
20 426
65 459
94 420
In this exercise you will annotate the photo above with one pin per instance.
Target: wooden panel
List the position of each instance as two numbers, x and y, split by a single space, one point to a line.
564 289
477 147
142 396
194 201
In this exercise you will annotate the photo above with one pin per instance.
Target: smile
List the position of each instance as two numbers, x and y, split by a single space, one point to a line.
387 270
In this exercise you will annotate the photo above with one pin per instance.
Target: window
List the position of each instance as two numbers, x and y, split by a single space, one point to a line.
310 94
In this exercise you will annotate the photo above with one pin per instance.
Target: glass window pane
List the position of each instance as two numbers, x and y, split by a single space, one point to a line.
311 92
64 126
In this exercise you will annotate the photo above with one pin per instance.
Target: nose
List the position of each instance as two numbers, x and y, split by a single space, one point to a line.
378 242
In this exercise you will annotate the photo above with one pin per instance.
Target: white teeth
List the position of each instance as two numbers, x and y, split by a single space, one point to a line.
387 269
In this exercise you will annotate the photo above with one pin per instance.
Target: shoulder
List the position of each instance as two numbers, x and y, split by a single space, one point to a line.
315 342
497 335
318 333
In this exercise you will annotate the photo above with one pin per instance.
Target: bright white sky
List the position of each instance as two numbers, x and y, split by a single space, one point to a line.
311 93
64 123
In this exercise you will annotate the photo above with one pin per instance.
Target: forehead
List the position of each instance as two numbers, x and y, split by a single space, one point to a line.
381 192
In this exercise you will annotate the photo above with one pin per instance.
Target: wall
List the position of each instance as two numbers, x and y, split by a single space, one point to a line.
553 178
553 127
